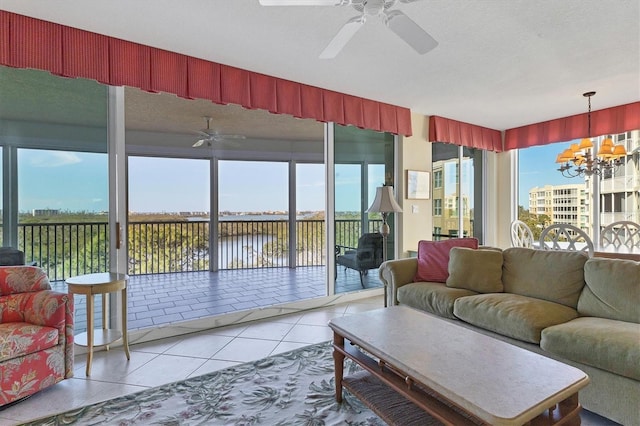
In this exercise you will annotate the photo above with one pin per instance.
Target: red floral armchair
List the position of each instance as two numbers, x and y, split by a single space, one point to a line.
36 333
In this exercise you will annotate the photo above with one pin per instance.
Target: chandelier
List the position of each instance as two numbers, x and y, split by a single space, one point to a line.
578 159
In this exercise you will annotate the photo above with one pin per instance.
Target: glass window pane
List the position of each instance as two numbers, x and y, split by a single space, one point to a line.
363 162
547 197
169 205
310 225
253 201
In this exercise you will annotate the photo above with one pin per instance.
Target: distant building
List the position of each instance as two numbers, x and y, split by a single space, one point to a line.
562 204
45 212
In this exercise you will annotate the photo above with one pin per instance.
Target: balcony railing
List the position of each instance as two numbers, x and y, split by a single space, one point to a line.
68 249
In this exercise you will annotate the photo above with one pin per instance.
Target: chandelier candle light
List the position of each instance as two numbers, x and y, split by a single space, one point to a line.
578 160
384 203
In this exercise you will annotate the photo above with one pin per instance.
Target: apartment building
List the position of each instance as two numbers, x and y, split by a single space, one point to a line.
562 203
620 188
446 201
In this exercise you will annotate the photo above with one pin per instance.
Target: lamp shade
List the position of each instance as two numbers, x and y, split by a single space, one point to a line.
384 201
619 151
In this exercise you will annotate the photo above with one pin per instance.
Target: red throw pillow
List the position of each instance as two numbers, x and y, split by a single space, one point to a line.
433 258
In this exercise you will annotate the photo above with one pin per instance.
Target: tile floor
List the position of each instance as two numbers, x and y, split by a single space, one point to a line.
160 299
190 355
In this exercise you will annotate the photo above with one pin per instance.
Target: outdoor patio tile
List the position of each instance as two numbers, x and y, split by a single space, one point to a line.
218 310
164 305
150 314
200 313
244 305
201 294
167 319
134 324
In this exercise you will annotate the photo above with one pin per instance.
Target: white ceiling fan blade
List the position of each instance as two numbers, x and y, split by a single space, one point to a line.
303 2
410 32
198 143
342 38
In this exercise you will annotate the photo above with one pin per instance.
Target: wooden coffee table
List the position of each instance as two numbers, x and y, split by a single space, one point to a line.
457 375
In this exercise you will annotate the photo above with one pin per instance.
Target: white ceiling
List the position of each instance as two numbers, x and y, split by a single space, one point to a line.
499 63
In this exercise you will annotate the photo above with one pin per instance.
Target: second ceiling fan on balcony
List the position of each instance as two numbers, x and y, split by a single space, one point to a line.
210 136
403 26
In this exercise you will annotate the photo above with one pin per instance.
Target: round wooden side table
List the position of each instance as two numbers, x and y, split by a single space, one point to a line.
100 283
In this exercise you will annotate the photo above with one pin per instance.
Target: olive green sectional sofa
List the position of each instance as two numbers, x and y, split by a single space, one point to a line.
579 310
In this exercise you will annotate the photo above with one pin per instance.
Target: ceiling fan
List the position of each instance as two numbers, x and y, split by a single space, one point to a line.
210 136
403 26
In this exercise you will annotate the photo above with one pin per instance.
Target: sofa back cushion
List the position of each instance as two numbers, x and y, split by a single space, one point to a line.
612 290
553 275
478 270
433 258
22 279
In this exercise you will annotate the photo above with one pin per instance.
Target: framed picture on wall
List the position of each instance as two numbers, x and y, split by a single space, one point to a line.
418 185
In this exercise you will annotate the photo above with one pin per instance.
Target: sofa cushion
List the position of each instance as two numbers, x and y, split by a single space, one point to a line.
612 290
433 258
599 342
21 279
21 338
435 298
477 270
519 317
553 275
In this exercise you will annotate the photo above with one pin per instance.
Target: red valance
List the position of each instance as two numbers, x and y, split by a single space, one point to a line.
32 43
610 121
456 132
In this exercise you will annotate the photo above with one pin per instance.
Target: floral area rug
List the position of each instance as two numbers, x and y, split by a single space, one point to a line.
294 388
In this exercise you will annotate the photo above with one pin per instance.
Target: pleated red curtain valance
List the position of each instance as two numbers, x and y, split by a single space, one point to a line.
459 133
69 52
608 121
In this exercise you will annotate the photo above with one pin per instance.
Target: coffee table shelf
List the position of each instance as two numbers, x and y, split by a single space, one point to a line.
406 399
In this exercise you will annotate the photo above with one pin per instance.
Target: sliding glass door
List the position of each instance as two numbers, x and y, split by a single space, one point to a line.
53 133
363 161
457 192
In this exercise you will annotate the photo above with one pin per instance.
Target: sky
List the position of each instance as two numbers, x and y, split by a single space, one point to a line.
537 167
174 185
44 179
178 185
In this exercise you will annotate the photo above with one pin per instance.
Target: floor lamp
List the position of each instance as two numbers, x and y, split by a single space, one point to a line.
384 203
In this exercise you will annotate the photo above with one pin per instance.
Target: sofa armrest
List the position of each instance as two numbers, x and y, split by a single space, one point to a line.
396 273
54 309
